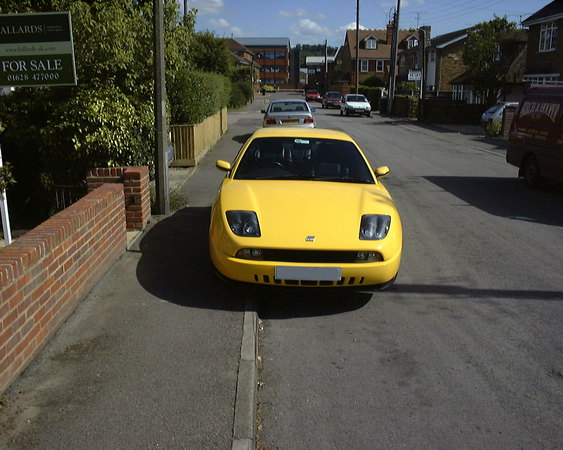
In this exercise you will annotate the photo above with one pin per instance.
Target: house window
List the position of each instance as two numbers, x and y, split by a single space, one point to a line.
412 43
371 44
364 65
432 56
457 92
379 65
548 36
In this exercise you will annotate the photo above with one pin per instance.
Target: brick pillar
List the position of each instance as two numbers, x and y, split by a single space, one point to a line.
136 186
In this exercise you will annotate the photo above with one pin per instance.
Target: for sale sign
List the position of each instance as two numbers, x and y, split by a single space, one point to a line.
36 49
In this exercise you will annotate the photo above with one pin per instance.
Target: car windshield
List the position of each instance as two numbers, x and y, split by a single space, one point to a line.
333 94
288 107
356 98
294 158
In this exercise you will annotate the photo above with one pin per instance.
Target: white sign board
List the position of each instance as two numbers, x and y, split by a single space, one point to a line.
415 75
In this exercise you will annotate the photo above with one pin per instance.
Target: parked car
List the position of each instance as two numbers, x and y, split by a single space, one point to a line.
355 104
535 140
312 94
289 112
332 98
495 112
303 208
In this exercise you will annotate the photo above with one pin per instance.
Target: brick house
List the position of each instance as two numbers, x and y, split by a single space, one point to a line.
272 54
444 62
242 56
544 58
374 56
514 87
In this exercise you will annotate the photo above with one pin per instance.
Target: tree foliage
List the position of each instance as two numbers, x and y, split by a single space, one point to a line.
489 52
54 135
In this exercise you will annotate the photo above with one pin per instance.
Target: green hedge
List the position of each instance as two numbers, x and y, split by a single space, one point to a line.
373 94
198 95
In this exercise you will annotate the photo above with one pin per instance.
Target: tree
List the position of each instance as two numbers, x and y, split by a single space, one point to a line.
54 135
490 50
210 53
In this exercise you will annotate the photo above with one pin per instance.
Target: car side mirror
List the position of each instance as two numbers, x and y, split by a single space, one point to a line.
263 111
223 165
382 171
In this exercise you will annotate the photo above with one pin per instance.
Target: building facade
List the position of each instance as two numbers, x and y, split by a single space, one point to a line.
544 58
272 54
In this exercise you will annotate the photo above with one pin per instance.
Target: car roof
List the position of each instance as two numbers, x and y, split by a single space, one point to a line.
288 100
301 133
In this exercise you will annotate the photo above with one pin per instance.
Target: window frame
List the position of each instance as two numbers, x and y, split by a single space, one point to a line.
362 62
548 37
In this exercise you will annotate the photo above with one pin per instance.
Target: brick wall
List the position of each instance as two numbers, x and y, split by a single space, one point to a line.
136 185
45 273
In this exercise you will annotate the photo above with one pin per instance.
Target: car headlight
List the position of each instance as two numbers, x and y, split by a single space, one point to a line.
243 223
374 227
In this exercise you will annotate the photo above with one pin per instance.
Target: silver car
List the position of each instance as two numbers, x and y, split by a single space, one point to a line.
289 112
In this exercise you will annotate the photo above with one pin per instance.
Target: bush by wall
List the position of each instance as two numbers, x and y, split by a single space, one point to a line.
198 95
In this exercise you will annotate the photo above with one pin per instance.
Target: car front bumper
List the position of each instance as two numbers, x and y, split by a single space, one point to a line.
306 274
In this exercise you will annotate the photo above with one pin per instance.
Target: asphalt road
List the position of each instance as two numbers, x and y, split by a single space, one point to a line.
465 350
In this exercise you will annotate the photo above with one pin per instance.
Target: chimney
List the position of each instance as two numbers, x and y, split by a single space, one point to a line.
389 34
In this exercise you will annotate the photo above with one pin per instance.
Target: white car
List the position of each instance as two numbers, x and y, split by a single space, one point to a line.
495 112
355 104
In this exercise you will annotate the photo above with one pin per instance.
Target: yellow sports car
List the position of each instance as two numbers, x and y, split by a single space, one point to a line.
302 207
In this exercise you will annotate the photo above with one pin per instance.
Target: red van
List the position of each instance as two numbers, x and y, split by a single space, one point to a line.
535 141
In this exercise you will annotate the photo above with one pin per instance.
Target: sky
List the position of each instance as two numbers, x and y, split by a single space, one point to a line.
314 21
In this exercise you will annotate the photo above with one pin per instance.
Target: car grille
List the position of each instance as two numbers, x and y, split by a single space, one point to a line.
310 256
351 281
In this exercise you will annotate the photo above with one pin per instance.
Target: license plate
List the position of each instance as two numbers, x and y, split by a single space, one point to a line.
290 121
308 273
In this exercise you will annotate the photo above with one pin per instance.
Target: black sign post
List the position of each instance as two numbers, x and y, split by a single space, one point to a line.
36 49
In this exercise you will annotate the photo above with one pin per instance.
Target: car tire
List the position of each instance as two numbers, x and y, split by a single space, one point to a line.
368 114
341 113
531 172
347 112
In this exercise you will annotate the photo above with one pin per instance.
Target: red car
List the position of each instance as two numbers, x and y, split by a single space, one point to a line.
312 94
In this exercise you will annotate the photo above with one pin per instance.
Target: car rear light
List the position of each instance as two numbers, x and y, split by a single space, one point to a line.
270 121
309 120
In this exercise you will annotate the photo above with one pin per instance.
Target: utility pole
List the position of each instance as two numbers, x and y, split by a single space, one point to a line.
357 45
161 176
393 68
326 65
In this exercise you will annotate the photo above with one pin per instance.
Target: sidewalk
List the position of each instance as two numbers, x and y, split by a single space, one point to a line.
159 354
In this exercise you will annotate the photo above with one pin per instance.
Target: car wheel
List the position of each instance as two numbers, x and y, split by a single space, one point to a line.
531 172
341 113
368 114
347 112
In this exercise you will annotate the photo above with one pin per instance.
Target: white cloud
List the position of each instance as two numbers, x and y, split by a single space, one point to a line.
225 26
206 6
299 12
350 26
307 30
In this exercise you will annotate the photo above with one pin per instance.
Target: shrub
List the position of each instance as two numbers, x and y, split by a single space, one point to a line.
374 81
493 129
198 95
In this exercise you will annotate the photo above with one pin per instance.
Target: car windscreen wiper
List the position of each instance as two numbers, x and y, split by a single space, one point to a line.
344 180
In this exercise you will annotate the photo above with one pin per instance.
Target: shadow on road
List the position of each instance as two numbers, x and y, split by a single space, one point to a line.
506 197
456 292
175 266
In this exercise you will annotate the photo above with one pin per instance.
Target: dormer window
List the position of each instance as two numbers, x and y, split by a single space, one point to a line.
371 44
412 42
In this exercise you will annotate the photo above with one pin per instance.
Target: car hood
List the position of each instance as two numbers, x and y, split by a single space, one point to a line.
291 211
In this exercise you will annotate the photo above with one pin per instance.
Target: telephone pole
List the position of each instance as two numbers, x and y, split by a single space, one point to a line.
393 68
161 175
